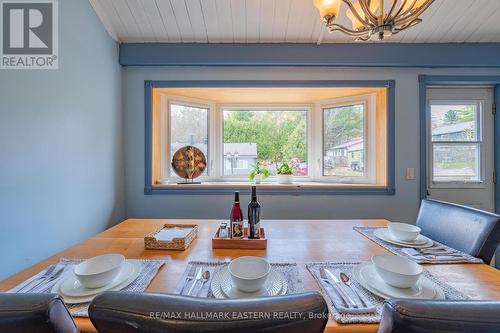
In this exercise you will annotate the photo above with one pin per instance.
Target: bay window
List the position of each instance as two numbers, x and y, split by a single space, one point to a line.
331 137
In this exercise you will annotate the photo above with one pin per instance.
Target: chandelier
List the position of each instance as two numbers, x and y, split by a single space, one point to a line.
372 19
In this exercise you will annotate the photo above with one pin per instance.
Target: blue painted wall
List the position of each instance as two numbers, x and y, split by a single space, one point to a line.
402 206
61 145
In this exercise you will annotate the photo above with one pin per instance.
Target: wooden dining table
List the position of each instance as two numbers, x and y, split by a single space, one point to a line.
300 241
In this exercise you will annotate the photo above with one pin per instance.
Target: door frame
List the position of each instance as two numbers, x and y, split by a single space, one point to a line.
425 81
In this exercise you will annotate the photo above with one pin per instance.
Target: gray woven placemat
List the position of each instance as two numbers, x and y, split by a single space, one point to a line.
347 267
289 270
368 232
149 270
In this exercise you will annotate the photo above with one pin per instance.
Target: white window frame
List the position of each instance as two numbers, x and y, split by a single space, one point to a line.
369 138
165 166
263 107
479 141
314 136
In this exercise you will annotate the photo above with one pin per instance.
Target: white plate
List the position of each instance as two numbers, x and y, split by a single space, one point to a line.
384 235
72 287
84 299
222 286
367 276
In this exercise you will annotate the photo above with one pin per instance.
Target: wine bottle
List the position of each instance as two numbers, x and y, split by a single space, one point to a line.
236 217
254 216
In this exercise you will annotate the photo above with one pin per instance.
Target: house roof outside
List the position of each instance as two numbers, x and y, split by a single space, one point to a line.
243 149
356 144
455 128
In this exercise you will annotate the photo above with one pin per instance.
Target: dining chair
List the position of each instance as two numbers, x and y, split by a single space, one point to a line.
497 258
40 313
419 316
120 312
467 229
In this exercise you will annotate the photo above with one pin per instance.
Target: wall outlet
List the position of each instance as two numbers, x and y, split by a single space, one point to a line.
410 173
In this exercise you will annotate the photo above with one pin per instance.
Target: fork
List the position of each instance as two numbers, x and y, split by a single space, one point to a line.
45 275
51 278
189 277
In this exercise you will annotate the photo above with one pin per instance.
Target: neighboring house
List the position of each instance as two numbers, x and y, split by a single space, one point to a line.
349 154
455 132
239 157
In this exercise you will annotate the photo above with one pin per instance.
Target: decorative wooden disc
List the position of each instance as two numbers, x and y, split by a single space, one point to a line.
189 162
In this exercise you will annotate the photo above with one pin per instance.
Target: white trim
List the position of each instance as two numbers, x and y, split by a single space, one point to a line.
263 107
314 137
442 184
167 100
369 137
96 5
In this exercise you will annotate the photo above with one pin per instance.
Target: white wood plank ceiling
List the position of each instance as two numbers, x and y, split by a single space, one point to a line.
280 21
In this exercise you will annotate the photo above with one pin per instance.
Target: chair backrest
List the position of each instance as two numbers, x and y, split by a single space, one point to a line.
470 230
120 312
40 313
419 316
497 258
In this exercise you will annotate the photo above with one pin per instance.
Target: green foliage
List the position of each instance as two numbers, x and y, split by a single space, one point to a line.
284 169
279 135
343 124
258 169
459 116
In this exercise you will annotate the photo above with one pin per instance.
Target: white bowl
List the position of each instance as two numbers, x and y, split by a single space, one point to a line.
249 273
99 271
403 231
397 271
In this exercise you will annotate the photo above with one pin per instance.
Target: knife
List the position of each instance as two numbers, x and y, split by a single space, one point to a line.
334 279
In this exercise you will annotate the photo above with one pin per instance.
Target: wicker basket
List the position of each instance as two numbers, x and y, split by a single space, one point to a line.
179 244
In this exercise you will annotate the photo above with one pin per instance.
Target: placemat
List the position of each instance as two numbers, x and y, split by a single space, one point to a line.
289 271
421 259
149 270
350 318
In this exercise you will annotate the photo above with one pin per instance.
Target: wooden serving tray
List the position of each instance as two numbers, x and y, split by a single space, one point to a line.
240 243
180 244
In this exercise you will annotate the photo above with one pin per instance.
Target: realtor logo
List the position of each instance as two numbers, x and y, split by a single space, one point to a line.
29 34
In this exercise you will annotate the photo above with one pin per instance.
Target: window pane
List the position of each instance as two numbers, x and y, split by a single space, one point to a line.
266 136
457 162
454 122
344 141
188 126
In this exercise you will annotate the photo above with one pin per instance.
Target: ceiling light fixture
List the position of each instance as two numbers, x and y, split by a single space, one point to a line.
370 19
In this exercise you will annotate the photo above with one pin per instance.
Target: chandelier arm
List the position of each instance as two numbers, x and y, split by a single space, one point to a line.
394 2
400 9
356 14
406 26
406 12
411 15
368 13
338 27
414 15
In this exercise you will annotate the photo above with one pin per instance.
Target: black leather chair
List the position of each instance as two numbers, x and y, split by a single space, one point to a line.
119 312
497 258
419 316
34 313
469 230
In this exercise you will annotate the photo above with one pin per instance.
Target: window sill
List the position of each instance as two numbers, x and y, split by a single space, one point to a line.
296 188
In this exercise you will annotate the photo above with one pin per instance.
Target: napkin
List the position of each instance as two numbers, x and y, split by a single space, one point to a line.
337 301
439 256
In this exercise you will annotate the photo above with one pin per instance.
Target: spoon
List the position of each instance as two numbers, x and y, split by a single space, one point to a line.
348 283
205 276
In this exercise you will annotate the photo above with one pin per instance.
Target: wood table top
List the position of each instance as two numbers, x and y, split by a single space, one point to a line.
299 241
